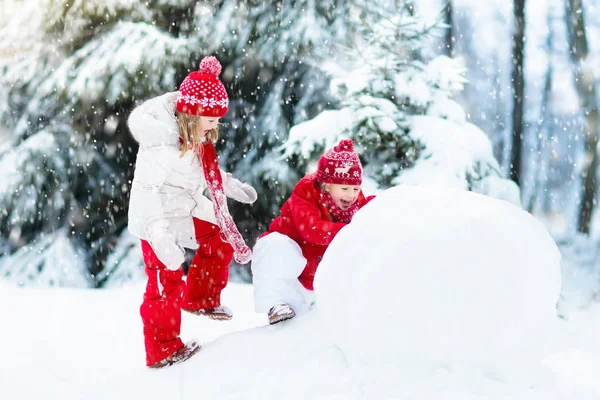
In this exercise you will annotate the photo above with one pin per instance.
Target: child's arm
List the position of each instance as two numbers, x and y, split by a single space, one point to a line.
367 199
311 226
152 197
153 165
237 190
233 188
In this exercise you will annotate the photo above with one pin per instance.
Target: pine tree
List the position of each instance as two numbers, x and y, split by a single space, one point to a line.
269 56
75 82
376 94
97 59
397 106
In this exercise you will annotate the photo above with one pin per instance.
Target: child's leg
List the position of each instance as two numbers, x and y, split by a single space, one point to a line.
276 264
160 310
209 269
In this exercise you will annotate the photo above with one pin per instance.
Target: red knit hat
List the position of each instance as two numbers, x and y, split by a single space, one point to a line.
201 93
340 165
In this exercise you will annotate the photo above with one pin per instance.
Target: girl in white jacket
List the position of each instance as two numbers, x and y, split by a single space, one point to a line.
168 211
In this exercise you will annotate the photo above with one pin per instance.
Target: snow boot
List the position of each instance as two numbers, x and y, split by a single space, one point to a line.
184 353
219 313
280 312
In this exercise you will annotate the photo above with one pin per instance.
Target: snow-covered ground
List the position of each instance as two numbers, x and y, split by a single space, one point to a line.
87 344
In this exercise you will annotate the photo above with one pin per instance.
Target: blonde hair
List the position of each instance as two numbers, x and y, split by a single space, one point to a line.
189 132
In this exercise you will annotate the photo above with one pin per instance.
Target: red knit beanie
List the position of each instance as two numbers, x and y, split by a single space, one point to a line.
201 93
340 165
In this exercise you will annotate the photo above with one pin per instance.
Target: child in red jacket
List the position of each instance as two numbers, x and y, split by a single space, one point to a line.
287 256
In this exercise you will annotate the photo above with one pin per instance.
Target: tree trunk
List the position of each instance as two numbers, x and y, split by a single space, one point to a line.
449 38
540 162
518 83
586 90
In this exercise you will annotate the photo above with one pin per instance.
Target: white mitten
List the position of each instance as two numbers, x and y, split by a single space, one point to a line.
239 191
164 245
168 251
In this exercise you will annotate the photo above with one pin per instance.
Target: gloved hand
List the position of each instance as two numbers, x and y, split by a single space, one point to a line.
239 191
167 251
164 245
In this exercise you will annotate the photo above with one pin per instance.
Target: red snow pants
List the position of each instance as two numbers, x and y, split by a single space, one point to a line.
166 292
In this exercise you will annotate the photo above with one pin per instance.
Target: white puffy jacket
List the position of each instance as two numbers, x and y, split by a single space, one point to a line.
167 191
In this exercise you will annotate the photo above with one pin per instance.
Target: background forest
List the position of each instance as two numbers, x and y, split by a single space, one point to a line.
498 97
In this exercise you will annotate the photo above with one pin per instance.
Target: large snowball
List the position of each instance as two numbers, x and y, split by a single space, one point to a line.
443 275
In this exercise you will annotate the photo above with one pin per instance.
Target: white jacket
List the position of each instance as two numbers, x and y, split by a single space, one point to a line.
167 191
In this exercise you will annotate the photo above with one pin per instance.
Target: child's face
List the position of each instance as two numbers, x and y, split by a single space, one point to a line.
207 124
343 195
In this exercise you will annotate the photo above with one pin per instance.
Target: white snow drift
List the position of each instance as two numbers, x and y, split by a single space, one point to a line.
426 274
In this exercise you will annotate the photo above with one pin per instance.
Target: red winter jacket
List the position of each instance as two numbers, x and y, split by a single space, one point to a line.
308 222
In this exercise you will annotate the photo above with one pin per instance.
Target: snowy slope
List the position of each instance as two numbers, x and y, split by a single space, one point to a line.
85 344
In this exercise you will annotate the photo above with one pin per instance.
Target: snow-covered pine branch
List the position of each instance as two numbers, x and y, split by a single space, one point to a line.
53 203
134 60
399 110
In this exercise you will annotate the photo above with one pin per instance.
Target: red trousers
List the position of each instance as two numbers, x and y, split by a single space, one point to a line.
166 292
